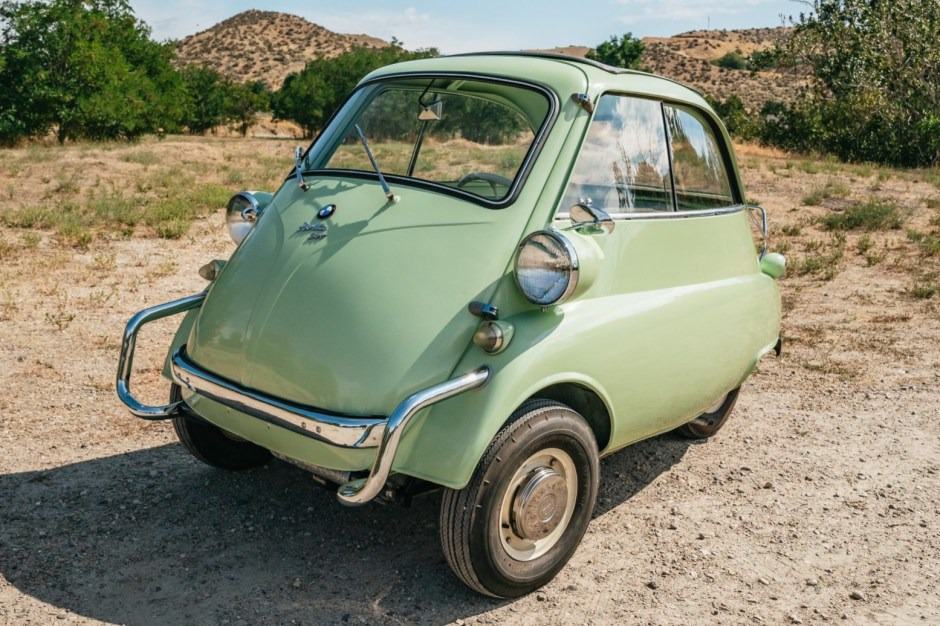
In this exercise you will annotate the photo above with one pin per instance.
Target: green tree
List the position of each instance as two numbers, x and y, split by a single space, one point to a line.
310 96
244 101
83 69
875 89
624 51
206 95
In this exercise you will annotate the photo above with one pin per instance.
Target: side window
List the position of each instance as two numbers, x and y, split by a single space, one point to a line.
624 162
697 162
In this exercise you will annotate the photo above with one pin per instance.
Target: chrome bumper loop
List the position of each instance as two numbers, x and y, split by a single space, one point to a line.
362 490
126 360
350 432
347 432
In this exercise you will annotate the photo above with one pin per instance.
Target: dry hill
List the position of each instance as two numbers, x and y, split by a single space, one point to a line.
689 57
266 46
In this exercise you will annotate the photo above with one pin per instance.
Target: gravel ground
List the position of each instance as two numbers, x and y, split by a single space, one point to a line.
819 501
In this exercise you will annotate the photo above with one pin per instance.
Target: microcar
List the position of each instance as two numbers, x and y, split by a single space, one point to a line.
487 272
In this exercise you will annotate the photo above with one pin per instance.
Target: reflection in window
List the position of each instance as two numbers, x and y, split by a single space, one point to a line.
476 142
698 166
624 162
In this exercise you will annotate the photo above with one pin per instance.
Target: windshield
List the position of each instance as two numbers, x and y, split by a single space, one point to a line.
466 134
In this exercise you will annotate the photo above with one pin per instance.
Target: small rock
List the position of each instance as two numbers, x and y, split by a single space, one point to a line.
652 584
296 583
541 597
812 582
763 581
795 620
857 595
768 485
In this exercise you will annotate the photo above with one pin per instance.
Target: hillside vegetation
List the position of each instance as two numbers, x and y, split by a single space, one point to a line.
266 46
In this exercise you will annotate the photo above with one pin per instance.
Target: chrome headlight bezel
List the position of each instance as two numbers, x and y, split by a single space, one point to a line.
241 213
572 269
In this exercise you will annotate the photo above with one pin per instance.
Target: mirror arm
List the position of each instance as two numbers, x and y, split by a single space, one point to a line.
764 228
299 168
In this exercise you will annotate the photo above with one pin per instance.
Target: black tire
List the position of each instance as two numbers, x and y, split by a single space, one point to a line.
211 445
470 527
707 424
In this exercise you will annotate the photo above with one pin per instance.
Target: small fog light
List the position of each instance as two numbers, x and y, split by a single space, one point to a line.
211 270
493 337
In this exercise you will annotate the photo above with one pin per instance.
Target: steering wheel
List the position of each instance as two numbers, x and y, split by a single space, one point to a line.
486 177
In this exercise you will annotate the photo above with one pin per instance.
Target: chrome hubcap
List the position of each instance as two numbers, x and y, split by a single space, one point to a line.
538 504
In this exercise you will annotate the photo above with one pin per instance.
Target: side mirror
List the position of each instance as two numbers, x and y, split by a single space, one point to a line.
299 168
584 216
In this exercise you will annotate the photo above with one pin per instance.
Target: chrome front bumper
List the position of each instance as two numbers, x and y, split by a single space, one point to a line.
349 432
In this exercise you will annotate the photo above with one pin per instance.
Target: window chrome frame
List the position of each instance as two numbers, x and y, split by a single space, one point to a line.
660 215
522 174
734 177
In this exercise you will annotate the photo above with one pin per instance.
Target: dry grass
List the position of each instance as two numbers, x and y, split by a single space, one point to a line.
155 188
826 216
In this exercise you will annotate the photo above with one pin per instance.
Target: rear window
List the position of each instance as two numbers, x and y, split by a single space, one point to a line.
624 160
697 161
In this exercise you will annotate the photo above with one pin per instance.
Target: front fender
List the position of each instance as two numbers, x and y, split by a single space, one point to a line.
445 445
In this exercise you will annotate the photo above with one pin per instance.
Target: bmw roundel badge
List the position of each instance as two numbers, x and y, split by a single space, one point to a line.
326 211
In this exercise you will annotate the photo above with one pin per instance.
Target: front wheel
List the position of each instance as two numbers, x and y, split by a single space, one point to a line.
524 511
212 445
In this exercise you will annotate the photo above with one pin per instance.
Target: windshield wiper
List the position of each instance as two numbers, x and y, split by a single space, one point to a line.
375 165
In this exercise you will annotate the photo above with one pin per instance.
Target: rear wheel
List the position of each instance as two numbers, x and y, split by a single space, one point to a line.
524 511
711 421
212 445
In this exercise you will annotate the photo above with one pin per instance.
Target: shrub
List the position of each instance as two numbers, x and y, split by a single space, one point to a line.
736 118
868 216
733 60
832 189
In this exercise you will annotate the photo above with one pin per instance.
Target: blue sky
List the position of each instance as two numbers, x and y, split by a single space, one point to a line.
461 26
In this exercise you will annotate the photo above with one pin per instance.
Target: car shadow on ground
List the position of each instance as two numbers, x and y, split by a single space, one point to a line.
154 537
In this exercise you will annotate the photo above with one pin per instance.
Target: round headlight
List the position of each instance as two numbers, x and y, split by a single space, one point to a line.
546 268
241 214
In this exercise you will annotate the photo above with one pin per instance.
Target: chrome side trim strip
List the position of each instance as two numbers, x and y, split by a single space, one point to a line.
126 360
659 215
360 491
347 432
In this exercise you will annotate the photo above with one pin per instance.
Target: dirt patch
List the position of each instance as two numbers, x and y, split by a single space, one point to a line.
820 501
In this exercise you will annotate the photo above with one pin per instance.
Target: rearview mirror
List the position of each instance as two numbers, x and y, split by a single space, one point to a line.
431 112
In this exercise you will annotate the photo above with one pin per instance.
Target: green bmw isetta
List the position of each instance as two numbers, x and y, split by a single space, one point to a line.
487 272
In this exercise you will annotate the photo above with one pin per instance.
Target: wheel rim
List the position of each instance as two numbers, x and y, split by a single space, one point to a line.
538 504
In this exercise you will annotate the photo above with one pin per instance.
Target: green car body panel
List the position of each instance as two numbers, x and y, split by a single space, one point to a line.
670 313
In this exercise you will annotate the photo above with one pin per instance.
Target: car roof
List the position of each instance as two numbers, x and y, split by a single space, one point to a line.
565 74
